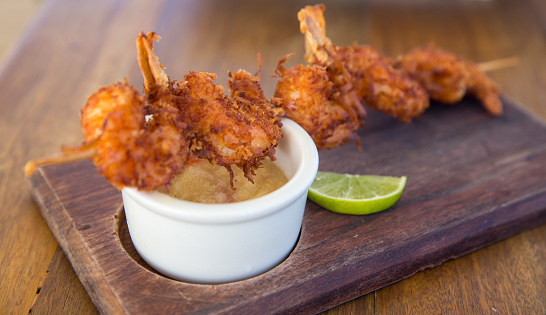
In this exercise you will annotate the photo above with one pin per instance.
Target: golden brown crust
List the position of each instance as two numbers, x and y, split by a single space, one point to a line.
361 71
448 78
144 141
131 152
381 86
479 85
240 129
308 97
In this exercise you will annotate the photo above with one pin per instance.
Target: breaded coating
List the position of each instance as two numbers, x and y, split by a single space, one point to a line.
448 78
129 151
240 130
308 97
362 69
144 141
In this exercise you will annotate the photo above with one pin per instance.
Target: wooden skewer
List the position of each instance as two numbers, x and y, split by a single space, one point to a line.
59 158
70 156
498 64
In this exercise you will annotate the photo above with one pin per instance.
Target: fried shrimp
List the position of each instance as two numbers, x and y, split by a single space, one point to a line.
229 132
125 149
265 125
143 141
131 152
361 70
308 97
240 129
448 78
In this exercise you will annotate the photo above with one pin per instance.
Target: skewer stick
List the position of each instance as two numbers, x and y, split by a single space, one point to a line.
59 158
144 49
498 64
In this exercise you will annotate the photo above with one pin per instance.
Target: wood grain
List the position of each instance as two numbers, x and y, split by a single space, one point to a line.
14 16
71 47
55 282
472 180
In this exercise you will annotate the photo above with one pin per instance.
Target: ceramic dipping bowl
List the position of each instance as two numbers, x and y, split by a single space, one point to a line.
220 243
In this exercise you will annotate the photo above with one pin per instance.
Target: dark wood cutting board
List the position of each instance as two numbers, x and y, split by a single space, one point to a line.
472 181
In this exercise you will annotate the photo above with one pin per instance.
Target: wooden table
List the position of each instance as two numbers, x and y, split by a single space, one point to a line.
72 47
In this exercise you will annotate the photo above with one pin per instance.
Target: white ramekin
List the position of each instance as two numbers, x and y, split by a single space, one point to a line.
219 243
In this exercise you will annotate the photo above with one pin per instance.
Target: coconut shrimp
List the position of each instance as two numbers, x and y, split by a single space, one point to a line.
240 129
362 70
125 149
448 78
308 97
143 141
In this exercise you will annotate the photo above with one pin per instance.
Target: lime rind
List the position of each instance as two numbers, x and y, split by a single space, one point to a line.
322 192
394 193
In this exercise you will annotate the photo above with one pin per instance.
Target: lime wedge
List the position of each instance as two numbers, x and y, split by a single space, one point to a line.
356 194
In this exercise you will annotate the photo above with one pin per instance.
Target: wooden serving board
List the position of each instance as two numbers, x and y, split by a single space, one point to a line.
472 181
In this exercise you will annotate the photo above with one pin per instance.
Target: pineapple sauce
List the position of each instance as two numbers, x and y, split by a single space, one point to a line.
204 182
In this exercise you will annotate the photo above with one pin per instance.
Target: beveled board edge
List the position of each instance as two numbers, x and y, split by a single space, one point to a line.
75 250
327 291
323 290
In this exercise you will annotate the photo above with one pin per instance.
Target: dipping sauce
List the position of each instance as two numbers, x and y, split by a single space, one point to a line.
206 183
